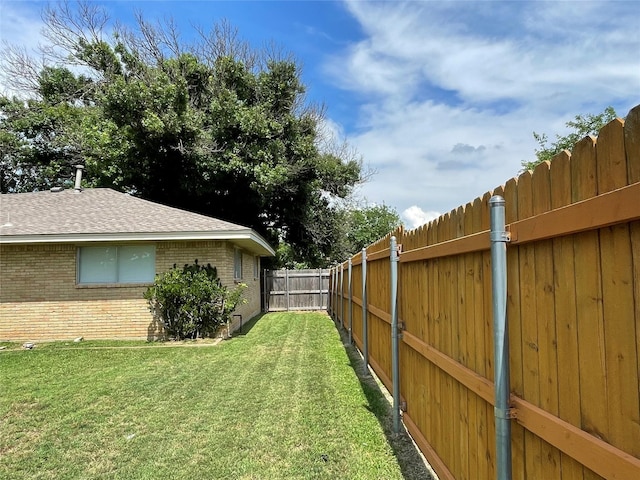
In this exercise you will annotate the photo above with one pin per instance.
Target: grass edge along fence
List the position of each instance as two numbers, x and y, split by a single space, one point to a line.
572 308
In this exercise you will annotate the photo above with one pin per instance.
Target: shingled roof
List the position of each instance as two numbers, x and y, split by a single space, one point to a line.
102 214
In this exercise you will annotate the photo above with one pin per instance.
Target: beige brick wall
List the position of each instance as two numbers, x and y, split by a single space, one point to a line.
40 300
251 293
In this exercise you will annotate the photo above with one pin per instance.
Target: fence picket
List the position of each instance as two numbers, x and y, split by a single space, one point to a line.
470 344
459 404
589 323
617 294
565 312
632 144
632 148
546 320
514 325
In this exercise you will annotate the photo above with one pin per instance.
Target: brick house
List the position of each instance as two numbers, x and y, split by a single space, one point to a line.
77 262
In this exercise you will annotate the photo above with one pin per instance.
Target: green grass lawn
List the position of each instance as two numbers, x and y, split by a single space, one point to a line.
280 402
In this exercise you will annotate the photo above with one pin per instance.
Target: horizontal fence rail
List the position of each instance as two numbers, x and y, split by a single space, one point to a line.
572 304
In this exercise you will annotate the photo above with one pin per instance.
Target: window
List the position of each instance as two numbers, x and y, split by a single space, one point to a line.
237 264
117 264
256 267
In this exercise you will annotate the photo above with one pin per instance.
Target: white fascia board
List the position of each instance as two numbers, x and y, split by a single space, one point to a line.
258 244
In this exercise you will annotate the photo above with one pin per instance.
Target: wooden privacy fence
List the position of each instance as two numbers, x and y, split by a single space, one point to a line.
573 314
286 290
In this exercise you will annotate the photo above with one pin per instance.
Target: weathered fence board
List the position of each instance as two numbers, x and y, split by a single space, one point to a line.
573 312
286 290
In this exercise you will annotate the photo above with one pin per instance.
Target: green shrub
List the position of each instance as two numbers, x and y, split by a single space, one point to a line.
191 301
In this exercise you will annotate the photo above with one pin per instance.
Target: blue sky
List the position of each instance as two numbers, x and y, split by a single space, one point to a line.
439 98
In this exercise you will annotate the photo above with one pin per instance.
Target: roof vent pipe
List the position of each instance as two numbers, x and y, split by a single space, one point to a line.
78 187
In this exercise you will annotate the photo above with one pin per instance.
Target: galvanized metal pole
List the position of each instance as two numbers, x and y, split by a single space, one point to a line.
499 239
395 361
342 295
350 289
365 314
329 292
334 292
337 309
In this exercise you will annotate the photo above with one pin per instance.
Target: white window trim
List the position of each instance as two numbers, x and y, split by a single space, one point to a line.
237 253
256 267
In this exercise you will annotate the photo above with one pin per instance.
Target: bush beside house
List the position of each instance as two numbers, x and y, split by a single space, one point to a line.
191 301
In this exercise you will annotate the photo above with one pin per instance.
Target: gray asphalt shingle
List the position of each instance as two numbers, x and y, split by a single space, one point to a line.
97 211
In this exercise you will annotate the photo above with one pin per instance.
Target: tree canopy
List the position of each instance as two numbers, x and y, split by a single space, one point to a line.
351 228
368 224
581 125
213 127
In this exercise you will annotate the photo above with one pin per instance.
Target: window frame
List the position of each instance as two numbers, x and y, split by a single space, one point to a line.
117 283
237 258
256 267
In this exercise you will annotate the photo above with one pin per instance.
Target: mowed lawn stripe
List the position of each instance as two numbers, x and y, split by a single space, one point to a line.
279 402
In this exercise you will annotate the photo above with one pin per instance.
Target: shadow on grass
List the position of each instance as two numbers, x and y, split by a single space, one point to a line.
246 327
411 461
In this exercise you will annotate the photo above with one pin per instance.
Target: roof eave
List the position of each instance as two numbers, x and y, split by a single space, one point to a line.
245 238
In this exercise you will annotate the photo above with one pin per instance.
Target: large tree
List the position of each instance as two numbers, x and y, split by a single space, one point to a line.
214 127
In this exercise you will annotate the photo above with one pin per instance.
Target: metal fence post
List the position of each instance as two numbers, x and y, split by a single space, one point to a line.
329 294
499 239
342 294
350 290
334 291
335 311
395 362
365 320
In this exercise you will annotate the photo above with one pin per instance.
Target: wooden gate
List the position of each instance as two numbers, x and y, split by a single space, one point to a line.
286 290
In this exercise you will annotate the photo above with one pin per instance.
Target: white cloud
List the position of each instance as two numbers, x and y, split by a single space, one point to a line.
464 47
22 30
414 216
453 90
416 153
20 23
